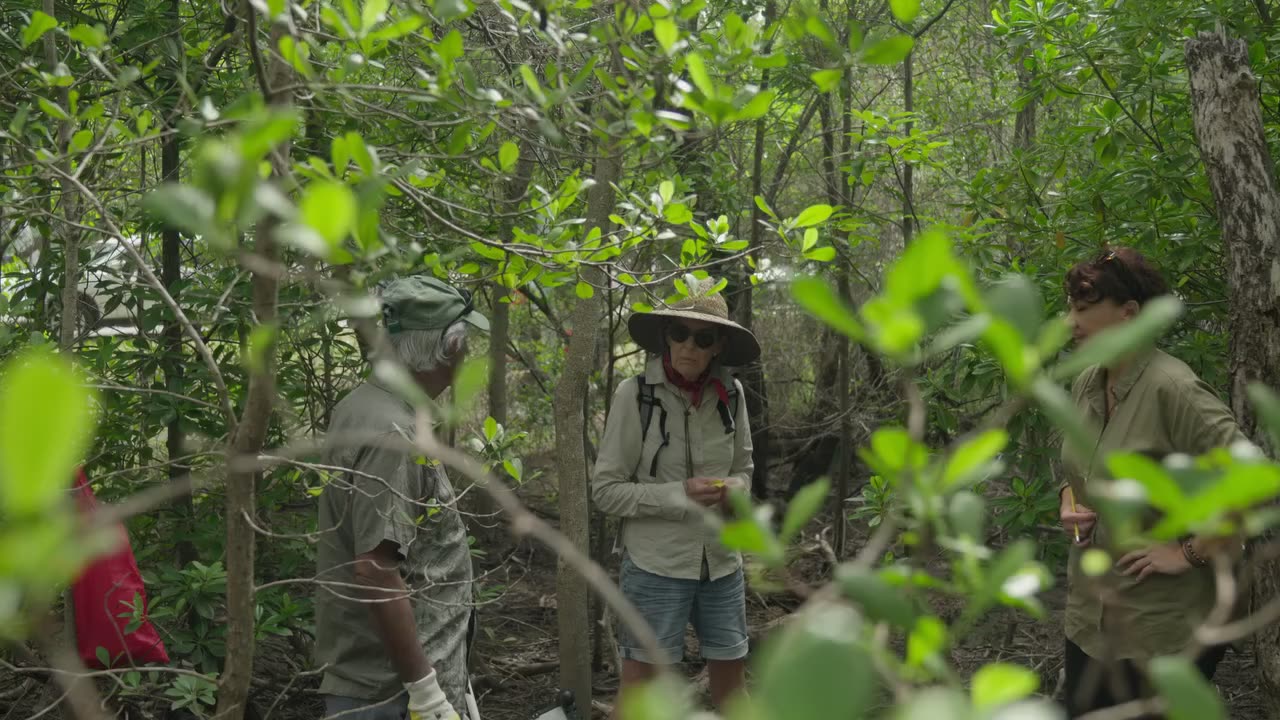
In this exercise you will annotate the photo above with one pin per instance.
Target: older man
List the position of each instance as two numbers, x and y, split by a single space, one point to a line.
395 573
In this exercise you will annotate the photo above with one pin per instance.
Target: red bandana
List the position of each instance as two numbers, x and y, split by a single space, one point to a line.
694 387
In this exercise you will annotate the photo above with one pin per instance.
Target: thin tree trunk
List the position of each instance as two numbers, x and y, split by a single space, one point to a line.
1233 145
908 170
71 262
170 274
752 376
573 601
513 189
251 434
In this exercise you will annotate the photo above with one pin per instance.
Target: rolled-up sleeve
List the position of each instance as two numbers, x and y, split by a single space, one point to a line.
613 484
1198 420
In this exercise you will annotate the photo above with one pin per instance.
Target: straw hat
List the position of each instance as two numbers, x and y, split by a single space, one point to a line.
648 329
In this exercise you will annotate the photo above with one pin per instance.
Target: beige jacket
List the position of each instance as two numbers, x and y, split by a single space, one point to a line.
1161 407
664 532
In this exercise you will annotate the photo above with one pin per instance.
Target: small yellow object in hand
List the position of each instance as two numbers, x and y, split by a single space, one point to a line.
718 483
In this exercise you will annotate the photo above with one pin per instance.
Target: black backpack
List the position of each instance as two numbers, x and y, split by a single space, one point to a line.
647 401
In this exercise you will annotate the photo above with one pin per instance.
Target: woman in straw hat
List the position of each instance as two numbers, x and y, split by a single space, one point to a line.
677 440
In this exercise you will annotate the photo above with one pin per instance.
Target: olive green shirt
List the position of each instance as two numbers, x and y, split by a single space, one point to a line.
663 531
1160 407
391 496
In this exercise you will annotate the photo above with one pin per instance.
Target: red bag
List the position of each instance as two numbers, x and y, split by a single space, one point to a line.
104 596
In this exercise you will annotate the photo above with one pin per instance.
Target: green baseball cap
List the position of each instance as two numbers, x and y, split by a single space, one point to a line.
420 302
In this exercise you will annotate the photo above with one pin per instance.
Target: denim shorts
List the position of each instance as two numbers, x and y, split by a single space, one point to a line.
717 609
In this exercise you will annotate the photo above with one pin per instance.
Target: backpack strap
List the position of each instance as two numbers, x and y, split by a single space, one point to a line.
647 400
729 409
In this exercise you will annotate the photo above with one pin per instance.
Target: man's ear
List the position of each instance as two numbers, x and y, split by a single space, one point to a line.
1131 309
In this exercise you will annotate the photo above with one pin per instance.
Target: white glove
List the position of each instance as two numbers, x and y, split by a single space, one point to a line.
427 700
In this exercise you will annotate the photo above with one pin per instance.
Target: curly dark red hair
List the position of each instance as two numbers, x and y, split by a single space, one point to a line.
1119 274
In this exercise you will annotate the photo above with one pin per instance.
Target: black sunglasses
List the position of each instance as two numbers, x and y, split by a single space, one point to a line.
704 338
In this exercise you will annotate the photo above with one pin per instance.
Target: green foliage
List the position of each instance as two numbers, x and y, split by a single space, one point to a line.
410 127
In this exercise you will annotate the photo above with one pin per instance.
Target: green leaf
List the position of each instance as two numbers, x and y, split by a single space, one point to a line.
374 12
821 301
362 153
677 213
974 456
81 140
813 215
1187 694
472 377
1162 491
329 208
905 10
889 51
806 503
764 207
1017 300
752 537
181 206
52 109
1095 562
584 290
46 423
39 25
1115 342
449 10
1064 414
880 601
104 657
815 668
666 33
822 254
758 106
927 639
893 451
698 73
508 154
514 468
666 189
827 80
398 29
490 428
93 37
1002 683
968 513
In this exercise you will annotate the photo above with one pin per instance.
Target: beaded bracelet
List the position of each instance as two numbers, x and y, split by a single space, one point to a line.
1192 557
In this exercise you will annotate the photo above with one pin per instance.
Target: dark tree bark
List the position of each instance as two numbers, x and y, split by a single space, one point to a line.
1233 145
170 274
513 189
743 303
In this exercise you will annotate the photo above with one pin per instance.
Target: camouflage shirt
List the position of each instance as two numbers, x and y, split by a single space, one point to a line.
391 495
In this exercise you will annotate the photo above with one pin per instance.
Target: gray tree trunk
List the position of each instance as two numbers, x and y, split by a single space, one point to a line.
1229 130
572 597
251 432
